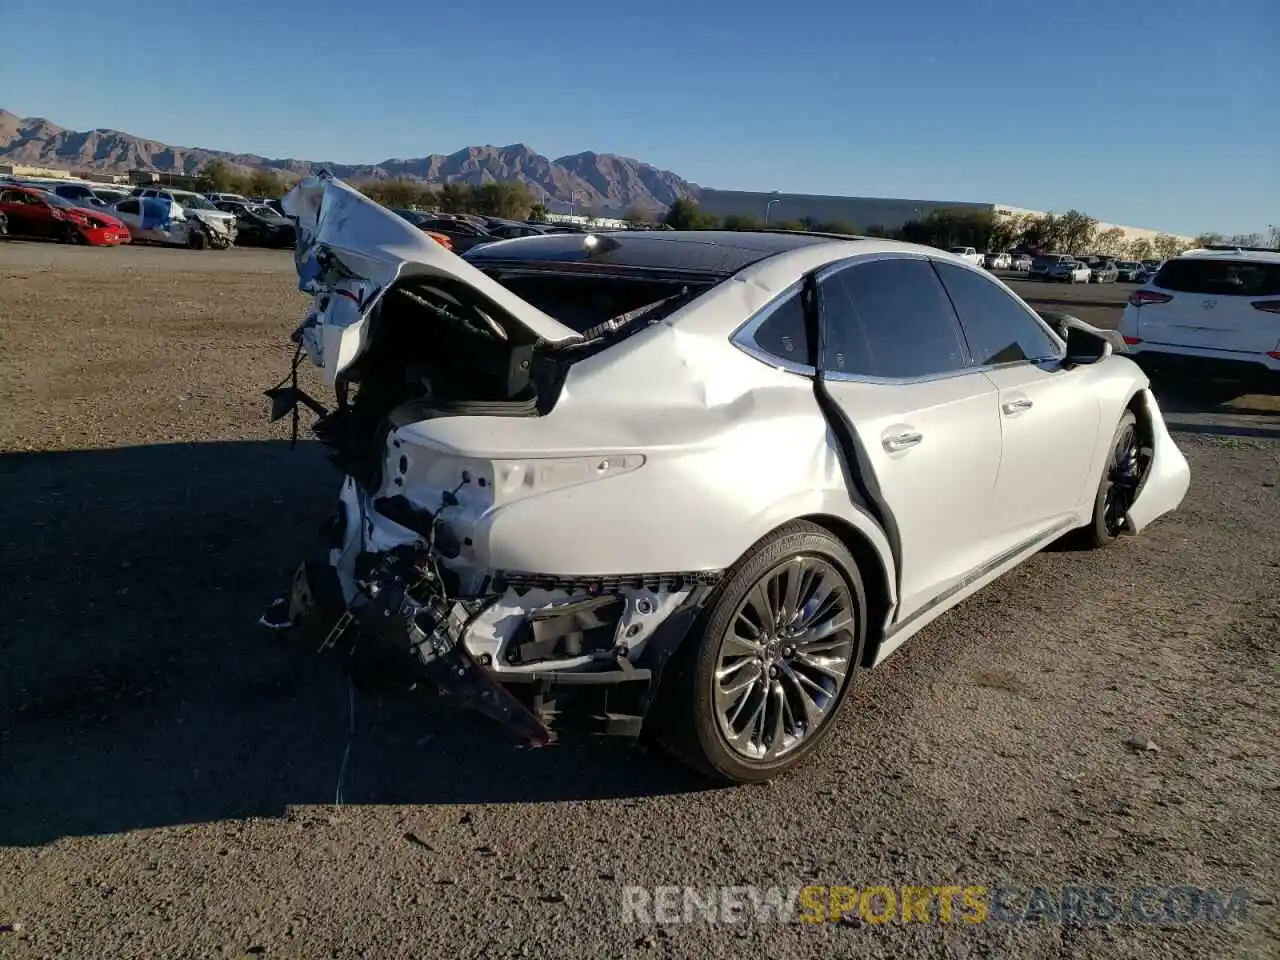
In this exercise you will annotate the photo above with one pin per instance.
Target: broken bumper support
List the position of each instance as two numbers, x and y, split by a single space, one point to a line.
414 631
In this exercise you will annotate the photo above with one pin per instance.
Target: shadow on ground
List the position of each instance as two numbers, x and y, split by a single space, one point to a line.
1187 410
138 691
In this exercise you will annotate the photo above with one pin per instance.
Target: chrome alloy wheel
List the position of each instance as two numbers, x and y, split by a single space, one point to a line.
783 661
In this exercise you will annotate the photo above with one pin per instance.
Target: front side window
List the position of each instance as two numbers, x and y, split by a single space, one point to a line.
998 328
889 318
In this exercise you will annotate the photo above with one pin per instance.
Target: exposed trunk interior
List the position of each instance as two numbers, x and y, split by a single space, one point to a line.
434 349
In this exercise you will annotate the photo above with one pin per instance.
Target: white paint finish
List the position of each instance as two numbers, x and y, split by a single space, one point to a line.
1050 428
1169 478
674 451
380 248
939 488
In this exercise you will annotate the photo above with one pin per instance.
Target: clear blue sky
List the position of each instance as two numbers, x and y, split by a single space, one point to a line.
1162 114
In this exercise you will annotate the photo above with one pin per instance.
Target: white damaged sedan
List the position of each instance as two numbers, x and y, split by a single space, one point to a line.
691 480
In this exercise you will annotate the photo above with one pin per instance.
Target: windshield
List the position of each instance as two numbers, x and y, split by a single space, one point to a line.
58 201
193 201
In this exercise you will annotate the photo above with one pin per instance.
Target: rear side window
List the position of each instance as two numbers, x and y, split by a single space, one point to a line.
998 328
782 331
1230 278
889 318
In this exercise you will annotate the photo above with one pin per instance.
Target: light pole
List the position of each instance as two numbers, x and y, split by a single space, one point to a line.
769 206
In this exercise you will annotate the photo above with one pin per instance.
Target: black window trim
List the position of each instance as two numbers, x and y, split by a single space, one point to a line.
1035 317
847 263
744 336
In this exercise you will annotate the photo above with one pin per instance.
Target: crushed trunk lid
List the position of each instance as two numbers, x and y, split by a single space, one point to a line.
351 250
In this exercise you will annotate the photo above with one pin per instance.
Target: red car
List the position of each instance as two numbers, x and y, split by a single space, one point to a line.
38 213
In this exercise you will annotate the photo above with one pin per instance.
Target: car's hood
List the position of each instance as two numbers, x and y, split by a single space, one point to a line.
351 245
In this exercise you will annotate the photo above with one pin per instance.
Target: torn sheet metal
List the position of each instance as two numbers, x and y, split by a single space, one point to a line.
350 250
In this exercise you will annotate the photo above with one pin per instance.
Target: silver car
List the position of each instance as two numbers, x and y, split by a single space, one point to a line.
690 480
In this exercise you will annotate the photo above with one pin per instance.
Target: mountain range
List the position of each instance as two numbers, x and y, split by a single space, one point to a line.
602 181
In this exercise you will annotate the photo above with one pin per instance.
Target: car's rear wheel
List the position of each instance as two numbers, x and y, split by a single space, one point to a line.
759 688
1123 475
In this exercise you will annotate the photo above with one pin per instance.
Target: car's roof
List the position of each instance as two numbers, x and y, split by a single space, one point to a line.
713 252
1258 256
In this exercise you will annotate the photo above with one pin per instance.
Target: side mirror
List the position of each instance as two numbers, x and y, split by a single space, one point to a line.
1085 342
1084 345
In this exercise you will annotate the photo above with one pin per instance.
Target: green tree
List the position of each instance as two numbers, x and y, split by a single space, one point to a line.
1079 230
879 230
686 215
223 177
508 199
538 212
265 183
456 198
1166 246
1109 243
738 221
1209 239
1140 249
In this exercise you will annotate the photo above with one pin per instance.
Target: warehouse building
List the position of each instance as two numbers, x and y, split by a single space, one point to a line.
862 212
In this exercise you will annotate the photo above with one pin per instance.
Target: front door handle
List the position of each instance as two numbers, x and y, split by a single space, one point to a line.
902 441
1016 406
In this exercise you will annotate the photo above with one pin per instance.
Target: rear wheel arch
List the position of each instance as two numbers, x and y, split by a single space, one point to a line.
875 578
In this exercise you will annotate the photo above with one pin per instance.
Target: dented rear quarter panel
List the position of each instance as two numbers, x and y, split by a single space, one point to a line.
732 449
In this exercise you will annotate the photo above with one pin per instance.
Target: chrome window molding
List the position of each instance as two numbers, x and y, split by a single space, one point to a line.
744 338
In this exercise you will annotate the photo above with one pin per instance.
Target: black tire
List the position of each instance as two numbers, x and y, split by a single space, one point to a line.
685 719
69 234
197 239
1123 475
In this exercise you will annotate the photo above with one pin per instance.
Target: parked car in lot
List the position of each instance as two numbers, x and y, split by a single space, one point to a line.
1070 271
30 212
1020 262
163 220
1104 271
80 195
463 233
220 198
1042 265
1127 270
507 457
258 225
1148 271
221 226
968 254
995 261
418 219
1211 318
501 229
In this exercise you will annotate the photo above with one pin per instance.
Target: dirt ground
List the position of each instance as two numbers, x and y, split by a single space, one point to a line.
173 784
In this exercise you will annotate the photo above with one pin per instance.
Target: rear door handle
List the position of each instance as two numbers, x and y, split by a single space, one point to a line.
1016 406
902 441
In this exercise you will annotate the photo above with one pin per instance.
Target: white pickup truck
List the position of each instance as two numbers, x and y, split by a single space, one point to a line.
967 253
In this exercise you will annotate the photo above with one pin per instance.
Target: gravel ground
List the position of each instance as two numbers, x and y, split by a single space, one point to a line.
171 780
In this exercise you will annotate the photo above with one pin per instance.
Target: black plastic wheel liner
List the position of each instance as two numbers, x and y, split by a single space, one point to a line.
859 473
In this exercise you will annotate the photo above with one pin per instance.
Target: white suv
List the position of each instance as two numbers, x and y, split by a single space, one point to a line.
1209 315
